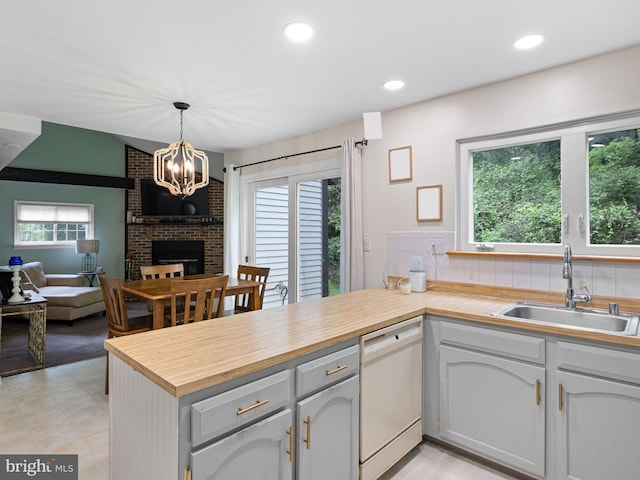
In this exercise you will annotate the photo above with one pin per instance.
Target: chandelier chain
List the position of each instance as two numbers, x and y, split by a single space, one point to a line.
181 112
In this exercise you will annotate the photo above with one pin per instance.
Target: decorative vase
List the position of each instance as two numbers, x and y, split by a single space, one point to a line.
15 263
388 280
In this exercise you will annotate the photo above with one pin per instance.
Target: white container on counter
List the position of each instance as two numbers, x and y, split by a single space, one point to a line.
418 281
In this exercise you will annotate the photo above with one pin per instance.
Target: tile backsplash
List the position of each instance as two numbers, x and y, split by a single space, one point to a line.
602 278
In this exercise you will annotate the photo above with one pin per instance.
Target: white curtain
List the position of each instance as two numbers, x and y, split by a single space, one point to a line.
231 224
351 252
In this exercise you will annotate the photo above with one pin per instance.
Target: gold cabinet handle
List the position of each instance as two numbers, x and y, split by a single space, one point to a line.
560 404
187 473
307 440
290 451
255 405
335 370
537 392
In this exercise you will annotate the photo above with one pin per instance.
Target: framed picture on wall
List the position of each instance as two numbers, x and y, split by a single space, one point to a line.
429 203
400 166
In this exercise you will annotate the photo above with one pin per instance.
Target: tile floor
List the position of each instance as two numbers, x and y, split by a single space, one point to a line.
64 410
429 461
58 410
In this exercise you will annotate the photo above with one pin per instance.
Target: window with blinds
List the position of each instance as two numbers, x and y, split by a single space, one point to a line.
41 224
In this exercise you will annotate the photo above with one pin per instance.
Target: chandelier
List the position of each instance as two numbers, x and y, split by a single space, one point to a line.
174 167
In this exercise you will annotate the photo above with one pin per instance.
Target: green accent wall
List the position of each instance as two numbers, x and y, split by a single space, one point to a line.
68 149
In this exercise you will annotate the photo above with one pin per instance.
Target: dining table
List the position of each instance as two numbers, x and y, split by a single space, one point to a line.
157 292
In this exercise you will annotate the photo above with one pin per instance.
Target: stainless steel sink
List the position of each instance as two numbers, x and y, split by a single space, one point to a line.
578 319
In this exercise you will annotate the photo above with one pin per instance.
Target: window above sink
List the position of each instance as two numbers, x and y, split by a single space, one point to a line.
530 192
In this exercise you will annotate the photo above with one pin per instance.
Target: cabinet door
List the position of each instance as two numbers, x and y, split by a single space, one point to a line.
598 423
259 451
328 433
494 407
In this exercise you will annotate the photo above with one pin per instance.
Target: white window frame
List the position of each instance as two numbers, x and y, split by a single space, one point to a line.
575 206
17 243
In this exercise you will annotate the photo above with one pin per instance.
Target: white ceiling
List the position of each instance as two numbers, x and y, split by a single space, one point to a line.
117 66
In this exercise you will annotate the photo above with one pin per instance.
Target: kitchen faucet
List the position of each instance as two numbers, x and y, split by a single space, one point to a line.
567 272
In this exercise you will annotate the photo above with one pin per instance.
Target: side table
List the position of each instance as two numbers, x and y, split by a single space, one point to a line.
36 308
90 276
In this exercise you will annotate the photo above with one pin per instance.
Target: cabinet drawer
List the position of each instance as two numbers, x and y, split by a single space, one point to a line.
606 362
224 412
512 345
326 370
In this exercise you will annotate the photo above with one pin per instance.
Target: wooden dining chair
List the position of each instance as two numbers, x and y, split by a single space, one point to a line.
198 299
118 321
257 274
149 272
170 270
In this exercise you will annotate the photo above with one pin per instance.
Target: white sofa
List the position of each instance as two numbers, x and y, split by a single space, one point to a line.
68 298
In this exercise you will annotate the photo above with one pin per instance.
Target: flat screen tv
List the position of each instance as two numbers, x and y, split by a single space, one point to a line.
158 202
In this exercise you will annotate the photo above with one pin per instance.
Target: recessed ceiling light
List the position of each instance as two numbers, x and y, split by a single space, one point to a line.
528 41
298 31
393 84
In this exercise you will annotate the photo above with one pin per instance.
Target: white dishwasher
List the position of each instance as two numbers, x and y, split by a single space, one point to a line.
390 395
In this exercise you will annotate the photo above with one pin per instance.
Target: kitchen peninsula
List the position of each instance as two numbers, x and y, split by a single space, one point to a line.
164 382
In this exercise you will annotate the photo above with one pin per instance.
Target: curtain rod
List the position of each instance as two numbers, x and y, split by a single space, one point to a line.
363 142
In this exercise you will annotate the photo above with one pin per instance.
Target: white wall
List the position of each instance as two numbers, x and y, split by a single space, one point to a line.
597 86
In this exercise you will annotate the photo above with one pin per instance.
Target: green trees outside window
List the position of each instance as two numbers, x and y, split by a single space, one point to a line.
614 188
516 194
517 191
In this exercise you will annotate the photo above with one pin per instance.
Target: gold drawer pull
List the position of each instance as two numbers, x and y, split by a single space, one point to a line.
290 451
560 403
537 392
307 440
335 370
255 405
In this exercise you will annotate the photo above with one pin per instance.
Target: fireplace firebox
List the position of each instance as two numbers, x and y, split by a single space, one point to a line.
188 252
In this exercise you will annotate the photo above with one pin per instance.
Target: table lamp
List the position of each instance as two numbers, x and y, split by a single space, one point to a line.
88 247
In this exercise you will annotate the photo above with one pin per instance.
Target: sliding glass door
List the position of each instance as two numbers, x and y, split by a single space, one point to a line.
271 240
295 230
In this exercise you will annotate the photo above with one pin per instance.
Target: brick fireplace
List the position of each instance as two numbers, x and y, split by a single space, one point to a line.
141 236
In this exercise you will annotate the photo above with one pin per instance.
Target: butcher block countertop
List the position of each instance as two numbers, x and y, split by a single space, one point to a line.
192 357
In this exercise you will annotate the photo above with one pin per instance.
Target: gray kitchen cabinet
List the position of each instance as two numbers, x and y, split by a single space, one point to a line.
597 413
493 406
542 405
263 450
241 429
323 443
327 426
490 387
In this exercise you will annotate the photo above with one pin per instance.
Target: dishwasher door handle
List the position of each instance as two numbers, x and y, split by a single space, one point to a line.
381 345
